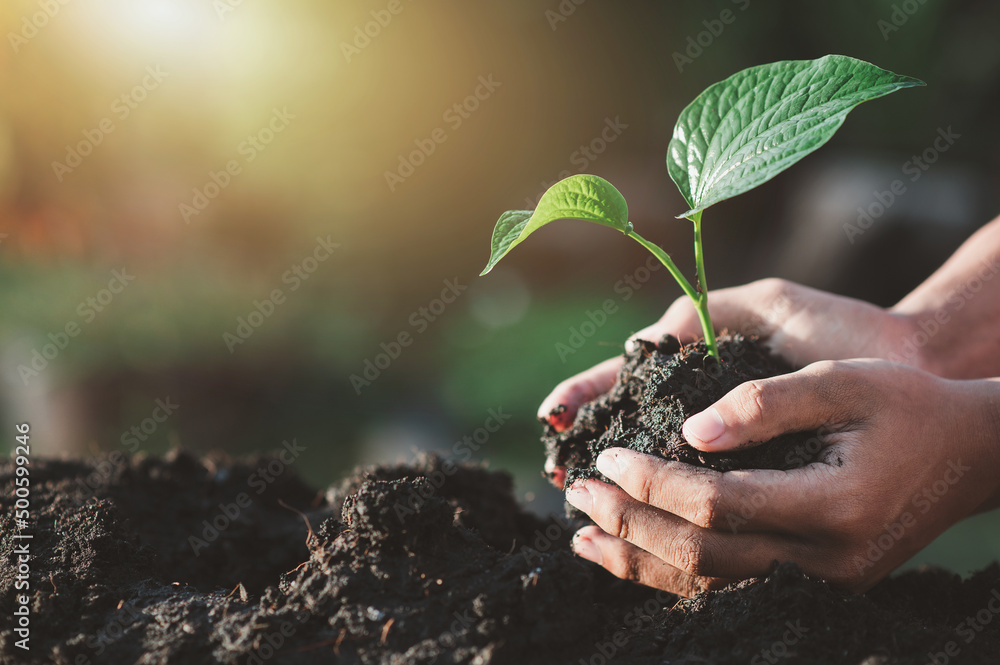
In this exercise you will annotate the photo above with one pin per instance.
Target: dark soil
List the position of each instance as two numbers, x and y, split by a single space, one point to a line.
658 388
431 563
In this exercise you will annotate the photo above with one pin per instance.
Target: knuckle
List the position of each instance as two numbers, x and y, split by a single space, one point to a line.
624 564
753 399
708 513
844 387
829 368
654 485
692 556
679 306
617 522
647 482
692 586
680 316
624 526
774 287
712 583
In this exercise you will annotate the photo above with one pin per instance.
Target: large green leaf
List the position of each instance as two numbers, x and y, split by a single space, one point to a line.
585 197
743 131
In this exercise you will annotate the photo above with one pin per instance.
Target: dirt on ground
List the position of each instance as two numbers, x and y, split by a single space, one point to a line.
187 560
429 563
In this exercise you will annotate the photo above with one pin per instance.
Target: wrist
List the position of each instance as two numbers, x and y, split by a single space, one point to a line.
991 426
983 432
917 339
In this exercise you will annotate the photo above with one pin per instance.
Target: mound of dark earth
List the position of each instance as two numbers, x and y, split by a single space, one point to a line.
430 563
658 388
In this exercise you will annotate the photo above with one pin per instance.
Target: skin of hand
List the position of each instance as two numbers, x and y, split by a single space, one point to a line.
904 455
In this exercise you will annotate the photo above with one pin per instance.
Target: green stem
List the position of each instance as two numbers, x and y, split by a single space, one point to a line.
699 295
701 301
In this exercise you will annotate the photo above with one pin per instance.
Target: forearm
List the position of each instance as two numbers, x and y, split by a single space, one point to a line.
955 313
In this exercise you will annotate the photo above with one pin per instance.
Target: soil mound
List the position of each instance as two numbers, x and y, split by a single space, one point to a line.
428 563
658 388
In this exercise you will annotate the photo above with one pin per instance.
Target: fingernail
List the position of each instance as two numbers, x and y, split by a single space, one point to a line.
631 345
586 548
579 497
706 426
559 418
607 463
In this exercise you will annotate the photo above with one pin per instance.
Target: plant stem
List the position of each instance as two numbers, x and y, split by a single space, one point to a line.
701 301
699 295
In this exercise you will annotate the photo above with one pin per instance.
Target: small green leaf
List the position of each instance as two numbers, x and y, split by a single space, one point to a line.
743 131
506 234
585 197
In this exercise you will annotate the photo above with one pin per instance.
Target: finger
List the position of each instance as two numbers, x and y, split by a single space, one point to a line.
559 408
690 548
819 395
623 559
735 501
556 474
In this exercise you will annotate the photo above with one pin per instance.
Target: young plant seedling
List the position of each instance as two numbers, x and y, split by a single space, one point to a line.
734 136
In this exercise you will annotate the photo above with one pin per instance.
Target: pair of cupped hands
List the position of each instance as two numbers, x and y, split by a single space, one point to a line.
906 452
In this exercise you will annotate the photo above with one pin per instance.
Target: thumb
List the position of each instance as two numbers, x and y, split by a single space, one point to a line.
758 411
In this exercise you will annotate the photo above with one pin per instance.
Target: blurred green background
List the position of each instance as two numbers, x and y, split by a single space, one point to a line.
120 118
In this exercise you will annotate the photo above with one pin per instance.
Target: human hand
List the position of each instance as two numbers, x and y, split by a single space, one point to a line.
802 325
903 456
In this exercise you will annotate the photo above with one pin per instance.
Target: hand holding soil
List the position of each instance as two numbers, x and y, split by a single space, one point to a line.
800 324
945 326
901 452
904 456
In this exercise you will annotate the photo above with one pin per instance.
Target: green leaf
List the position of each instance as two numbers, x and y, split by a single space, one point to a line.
506 234
585 197
743 131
